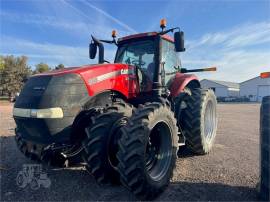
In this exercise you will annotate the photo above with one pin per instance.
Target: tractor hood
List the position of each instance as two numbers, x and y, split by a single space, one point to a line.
93 69
97 78
51 100
56 87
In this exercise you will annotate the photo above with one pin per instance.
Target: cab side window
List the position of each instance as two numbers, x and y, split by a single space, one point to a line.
170 59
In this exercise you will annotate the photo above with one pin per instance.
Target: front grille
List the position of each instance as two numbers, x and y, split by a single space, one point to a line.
67 91
32 92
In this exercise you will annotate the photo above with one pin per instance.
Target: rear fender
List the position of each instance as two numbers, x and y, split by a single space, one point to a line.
181 81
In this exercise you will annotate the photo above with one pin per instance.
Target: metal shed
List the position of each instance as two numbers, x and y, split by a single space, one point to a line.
221 88
255 89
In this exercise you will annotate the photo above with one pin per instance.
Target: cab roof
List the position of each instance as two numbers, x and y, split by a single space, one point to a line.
145 34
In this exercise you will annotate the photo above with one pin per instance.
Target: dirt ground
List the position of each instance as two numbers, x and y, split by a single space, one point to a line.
229 173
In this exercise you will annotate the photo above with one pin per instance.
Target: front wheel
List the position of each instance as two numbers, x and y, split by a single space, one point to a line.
100 144
147 150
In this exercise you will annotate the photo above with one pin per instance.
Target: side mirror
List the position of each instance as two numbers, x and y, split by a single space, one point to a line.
179 41
92 50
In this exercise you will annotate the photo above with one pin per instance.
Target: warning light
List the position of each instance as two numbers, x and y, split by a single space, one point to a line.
113 33
163 23
265 75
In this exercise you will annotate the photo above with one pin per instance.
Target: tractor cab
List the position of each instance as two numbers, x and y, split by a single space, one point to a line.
154 54
147 52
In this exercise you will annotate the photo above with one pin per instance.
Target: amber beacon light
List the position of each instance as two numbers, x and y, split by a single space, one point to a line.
265 75
114 33
163 23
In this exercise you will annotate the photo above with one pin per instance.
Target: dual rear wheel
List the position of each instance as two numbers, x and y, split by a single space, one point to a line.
147 150
141 154
197 117
139 147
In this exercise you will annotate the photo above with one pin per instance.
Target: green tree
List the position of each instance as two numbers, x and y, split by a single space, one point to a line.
2 63
60 66
42 67
14 71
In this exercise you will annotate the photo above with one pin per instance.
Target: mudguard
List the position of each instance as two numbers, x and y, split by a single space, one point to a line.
181 81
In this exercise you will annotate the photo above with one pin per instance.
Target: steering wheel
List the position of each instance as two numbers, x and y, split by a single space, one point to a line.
138 62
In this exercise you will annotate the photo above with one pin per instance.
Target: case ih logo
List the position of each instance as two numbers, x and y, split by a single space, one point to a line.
32 175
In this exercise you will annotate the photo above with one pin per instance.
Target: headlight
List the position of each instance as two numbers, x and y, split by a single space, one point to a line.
48 113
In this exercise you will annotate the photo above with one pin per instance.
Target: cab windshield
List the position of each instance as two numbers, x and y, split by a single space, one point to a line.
138 53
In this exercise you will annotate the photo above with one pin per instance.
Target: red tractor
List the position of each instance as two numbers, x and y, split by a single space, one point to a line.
126 119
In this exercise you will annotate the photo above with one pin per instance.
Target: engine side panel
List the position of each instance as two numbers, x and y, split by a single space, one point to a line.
115 77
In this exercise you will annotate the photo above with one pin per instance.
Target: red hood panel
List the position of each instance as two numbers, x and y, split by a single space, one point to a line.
95 69
101 77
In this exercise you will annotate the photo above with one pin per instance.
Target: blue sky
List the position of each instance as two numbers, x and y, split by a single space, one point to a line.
232 35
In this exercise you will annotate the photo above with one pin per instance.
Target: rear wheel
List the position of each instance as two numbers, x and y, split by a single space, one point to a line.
265 149
198 120
100 145
147 150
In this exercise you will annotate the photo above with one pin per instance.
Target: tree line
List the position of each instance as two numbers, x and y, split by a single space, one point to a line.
14 71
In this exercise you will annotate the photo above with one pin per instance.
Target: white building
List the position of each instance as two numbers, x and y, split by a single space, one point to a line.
221 88
255 89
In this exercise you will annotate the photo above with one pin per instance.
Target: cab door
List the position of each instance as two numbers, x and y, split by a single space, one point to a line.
170 61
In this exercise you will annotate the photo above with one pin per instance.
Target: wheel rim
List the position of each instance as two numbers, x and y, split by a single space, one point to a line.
159 151
209 120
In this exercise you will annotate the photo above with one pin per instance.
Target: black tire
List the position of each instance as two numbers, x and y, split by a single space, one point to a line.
50 158
68 157
265 149
198 120
100 145
22 146
140 170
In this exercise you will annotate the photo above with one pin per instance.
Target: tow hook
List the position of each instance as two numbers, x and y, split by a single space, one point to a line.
54 155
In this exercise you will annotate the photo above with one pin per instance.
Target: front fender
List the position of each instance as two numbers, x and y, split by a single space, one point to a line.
181 81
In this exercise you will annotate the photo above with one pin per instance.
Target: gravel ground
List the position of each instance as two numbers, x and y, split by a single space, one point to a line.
229 173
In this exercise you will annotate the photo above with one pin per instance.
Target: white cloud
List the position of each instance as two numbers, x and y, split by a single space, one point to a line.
240 36
240 53
107 15
69 17
60 18
79 28
49 53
